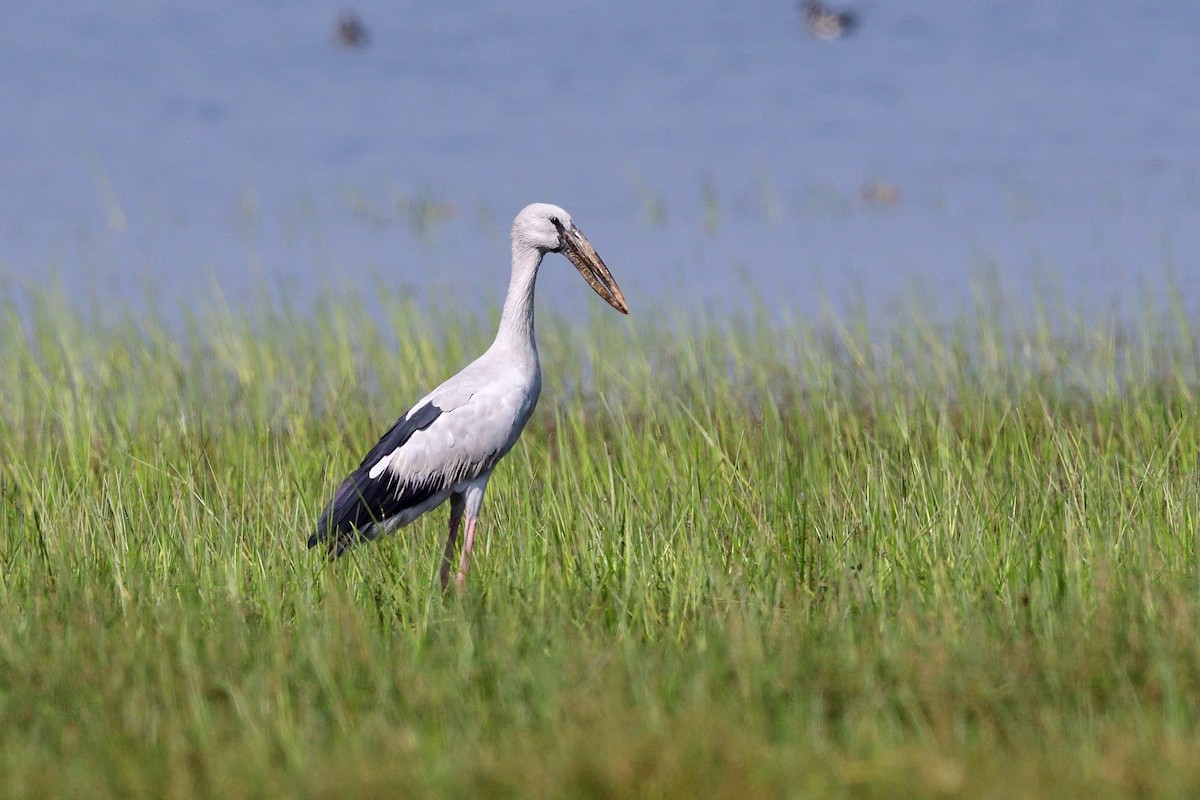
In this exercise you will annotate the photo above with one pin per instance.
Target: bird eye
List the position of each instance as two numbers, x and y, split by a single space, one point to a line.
554 221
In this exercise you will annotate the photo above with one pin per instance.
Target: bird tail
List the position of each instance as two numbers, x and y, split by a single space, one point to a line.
336 529
337 542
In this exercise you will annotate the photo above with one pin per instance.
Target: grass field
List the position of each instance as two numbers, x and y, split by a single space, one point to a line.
738 558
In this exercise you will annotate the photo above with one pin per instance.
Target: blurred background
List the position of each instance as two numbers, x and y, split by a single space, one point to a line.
719 155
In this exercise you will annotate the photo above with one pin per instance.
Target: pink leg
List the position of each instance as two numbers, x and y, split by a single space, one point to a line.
457 503
465 560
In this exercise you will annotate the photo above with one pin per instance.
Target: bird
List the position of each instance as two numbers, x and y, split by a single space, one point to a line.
350 31
829 23
447 445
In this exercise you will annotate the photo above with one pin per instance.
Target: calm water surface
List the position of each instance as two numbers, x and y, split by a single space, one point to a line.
715 153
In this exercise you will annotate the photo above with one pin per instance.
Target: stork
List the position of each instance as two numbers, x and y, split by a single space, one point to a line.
447 445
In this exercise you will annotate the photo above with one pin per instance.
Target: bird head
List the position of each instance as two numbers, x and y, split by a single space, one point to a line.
549 229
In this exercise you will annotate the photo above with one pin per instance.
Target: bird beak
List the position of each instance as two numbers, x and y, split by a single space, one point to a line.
585 258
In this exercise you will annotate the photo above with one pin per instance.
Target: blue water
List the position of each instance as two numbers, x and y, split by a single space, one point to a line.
715 153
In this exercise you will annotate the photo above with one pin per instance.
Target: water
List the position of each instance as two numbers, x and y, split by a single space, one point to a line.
715 154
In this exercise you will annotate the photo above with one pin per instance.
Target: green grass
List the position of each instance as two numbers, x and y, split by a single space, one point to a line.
742 558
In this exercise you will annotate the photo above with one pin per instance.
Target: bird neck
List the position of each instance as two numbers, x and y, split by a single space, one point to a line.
516 332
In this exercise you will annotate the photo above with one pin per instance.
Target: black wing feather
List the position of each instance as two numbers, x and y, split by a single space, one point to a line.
361 501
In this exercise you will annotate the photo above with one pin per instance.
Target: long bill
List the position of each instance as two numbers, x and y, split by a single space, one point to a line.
585 258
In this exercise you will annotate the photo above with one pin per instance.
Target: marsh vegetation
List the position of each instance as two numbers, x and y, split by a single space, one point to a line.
736 558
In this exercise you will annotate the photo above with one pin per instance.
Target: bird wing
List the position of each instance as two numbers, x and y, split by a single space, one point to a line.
361 501
457 432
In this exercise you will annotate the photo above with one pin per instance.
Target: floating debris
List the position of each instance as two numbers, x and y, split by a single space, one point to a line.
350 30
880 193
829 23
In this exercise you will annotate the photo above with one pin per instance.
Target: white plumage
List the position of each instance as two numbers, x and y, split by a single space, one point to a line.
447 445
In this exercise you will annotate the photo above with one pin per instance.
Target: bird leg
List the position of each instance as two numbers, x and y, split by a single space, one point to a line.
464 560
457 504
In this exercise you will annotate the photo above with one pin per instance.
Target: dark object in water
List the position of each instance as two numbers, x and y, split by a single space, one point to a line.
350 30
828 23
